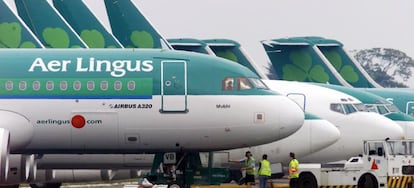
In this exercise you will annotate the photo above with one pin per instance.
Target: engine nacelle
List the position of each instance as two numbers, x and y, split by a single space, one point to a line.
21 167
20 128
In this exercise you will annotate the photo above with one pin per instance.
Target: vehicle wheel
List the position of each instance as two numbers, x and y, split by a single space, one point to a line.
234 175
367 181
307 180
174 185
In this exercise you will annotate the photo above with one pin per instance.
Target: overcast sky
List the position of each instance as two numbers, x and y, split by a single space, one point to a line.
359 24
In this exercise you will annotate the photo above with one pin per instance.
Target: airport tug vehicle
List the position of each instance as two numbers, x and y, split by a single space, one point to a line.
384 163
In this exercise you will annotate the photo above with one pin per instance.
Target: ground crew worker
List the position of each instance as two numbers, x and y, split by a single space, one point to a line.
264 171
249 167
293 171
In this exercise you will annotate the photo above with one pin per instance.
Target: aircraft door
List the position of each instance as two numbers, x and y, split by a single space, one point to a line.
299 98
174 86
410 108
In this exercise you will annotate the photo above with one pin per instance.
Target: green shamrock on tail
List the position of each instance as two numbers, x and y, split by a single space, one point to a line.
347 72
301 68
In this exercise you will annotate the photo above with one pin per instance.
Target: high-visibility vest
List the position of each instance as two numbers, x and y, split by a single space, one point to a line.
248 163
265 168
293 168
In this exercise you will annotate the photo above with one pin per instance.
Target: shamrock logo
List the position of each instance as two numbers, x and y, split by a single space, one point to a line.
57 38
347 71
94 39
11 36
301 68
227 55
142 39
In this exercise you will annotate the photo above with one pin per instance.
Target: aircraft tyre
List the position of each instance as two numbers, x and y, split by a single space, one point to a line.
367 181
45 185
174 185
307 180
234 175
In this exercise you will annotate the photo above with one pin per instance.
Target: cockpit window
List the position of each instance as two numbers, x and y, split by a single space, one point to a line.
243 84
349 108
337 108
382 109
227 84
257 83
361 107
372 108
392 108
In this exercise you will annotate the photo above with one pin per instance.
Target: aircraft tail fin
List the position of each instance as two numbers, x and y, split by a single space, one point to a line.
86 24
344 63
14 33
233 51
298 59
48 25
131 27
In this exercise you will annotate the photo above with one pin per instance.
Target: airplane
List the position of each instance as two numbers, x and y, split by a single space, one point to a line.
316 126
148 101
321 102
316 59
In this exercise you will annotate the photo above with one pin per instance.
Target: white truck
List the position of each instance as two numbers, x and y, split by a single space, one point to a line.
384 163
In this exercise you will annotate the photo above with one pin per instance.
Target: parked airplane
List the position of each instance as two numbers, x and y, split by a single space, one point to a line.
134 101
322 102
315 59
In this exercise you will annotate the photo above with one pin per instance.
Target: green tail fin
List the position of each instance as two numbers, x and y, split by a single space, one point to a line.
131 27
13 31
295 59
86 25
48 25
344 64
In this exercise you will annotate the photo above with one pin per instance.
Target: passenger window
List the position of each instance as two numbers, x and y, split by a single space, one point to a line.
36 85
22 85
243 84
9 85
63 85
131 85
104 85
227 84
49 85
77 85
337 108
90 85
117 85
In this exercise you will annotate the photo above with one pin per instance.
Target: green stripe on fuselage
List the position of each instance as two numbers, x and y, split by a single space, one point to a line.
76 88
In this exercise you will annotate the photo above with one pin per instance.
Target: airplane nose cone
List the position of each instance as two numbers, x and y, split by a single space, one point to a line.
323 133
291 117
375 126
405 121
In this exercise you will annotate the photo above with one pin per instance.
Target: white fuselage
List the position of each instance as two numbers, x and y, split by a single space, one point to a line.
354 127
134 126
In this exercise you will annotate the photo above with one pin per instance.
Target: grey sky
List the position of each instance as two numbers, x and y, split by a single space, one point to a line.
358 24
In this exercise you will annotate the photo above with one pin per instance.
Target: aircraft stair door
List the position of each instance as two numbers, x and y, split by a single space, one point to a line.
174 86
